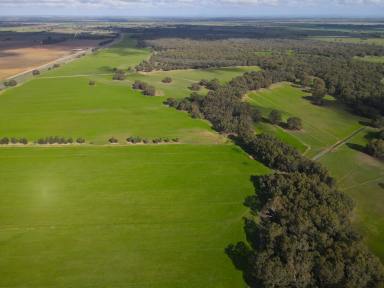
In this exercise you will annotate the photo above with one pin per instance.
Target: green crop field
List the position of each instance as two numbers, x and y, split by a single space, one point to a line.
359 175
140 216
102 215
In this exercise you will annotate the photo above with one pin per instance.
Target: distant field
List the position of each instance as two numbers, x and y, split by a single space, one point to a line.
377 41
143 216
323 126
359 175
373 59
19 56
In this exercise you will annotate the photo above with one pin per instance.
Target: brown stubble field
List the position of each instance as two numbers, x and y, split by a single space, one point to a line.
20 55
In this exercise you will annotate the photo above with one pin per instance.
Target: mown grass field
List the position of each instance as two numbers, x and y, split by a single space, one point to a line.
117 216
142 216
357 174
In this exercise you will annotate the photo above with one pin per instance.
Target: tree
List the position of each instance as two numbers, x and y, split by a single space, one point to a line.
195 87
303 237
376 148
35 72
92 83
275 117
23 141
80 140
149 91
4 141
318 91
113 140
167 80
119 75
294 123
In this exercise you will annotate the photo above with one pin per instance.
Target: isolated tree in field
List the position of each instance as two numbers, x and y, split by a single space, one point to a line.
92 83
318 91
119 75
195 87
294 123
275 117
167 80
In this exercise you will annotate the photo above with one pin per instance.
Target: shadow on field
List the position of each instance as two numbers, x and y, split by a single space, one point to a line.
356 147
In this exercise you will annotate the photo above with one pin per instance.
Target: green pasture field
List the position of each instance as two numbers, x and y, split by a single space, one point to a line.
373 59
139 216
323 126
357 174
376 41
69 107
61 103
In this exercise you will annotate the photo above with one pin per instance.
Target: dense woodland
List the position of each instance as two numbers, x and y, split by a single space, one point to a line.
353 82
300 232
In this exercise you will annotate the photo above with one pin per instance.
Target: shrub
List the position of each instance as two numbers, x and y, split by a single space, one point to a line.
14 140
113 140
167 80
175 140
294 123
56 65
10 83
134 139
80 140
35 72
92 83
4 141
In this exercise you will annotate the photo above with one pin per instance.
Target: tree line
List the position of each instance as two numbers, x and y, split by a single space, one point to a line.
299 232
353 82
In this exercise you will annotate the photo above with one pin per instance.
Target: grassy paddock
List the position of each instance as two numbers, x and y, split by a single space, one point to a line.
322 125
143 216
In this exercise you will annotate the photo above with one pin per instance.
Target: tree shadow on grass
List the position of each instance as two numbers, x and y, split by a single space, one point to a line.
356 147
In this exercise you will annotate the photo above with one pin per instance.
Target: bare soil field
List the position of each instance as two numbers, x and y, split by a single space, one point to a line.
17 56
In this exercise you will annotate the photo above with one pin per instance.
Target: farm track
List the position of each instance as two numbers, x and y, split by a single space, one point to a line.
23 76
337 144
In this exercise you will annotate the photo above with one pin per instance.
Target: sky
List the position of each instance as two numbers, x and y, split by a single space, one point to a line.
195 8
